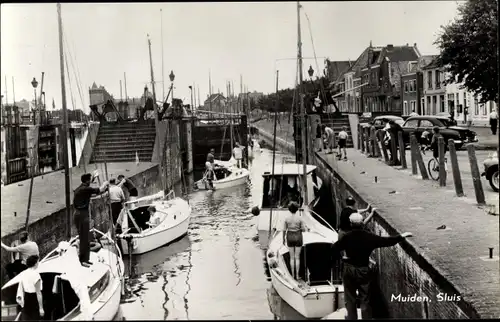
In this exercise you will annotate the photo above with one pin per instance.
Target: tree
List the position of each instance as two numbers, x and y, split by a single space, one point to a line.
469 48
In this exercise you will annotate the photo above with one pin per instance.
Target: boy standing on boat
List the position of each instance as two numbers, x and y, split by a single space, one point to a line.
81 203
117 198
358 245
129 185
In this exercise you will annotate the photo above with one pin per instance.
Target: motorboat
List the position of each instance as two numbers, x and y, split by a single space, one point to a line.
227 175
318 291
278 188
72 291
144 236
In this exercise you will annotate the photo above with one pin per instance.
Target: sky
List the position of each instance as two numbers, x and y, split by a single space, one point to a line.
227 40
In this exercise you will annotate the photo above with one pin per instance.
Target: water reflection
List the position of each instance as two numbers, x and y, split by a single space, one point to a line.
217 271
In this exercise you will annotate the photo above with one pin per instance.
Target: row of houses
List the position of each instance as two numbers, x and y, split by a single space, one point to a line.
399 80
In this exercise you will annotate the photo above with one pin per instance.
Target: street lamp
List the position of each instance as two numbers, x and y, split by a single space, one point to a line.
310 71
172 77
34 83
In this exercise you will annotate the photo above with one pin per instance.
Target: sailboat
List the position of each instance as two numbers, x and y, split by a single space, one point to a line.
70 290
316 291
140 235
227 173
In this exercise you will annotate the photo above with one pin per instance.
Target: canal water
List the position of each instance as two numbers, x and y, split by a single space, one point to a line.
217 271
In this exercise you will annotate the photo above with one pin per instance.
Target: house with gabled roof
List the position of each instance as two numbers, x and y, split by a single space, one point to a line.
215 103
412 91
334 72
382 72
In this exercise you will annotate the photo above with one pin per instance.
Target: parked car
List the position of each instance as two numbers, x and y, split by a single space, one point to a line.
491 170
448 128
379 121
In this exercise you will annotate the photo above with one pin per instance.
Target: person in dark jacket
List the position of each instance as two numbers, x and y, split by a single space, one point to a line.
81 203
129 185
349 209
358 245
394 129
319 142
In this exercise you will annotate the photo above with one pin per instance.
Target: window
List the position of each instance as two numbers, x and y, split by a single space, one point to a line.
405 108
429 79
434 104
438 79
414 85
422 106
441 107
411 124
413 106
483 108
476 107
406 86
426 124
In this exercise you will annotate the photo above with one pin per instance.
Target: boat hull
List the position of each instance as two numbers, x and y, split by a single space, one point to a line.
110 304
229 182
313 305
145 243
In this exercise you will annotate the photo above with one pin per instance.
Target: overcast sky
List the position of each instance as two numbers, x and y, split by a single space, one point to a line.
230 39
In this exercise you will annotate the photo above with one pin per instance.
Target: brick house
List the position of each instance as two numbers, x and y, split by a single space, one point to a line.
352 84
382 71
434 89
215 103
413 86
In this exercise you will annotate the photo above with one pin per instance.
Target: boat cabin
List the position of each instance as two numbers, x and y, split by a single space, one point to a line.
286 185
136 216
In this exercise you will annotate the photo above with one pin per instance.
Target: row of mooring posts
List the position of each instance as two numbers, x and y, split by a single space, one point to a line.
371 142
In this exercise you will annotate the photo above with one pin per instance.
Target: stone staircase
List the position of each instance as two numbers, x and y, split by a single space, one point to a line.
120 142
336 123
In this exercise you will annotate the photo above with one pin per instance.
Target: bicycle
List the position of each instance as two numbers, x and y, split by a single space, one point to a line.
433 168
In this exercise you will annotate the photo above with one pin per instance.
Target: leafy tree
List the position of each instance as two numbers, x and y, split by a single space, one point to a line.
469 48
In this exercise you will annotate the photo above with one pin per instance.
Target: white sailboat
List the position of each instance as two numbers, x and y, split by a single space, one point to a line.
227 173
72 291
144 236
317 291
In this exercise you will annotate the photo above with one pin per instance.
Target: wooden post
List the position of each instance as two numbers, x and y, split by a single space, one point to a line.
382 146
402 150
394 149
362 139
455 169
376 150
442 169
420 160
476 177
413 150
359 138
367 139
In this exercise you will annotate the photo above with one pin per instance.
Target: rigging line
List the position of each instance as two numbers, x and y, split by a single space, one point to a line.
69 85
77 80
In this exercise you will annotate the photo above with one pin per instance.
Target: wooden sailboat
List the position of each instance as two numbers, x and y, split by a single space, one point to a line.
315 292
70 290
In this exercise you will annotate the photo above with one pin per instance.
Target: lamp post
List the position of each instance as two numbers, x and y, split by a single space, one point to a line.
34 83
191 90
172 78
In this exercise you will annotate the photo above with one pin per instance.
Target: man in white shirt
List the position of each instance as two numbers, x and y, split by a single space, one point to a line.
238 154
117 198
25 249
343 142
154 218
494 122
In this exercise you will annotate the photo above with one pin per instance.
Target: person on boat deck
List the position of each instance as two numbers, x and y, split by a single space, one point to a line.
292 234
117 198
25 249
358 245
81 203
154 219
238 154
129 185
349 209
211 157
29 292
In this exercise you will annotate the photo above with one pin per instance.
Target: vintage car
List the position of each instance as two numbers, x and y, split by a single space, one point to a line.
491 170
448 128
380 121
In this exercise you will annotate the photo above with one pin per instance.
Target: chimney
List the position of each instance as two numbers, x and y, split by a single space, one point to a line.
390 46
415 45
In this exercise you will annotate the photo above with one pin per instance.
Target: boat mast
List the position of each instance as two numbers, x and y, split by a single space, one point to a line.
210 90
162 68
155 107
64 134
230 115
302 109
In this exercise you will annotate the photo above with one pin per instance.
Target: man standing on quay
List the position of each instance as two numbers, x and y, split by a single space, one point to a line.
358 245
81 203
